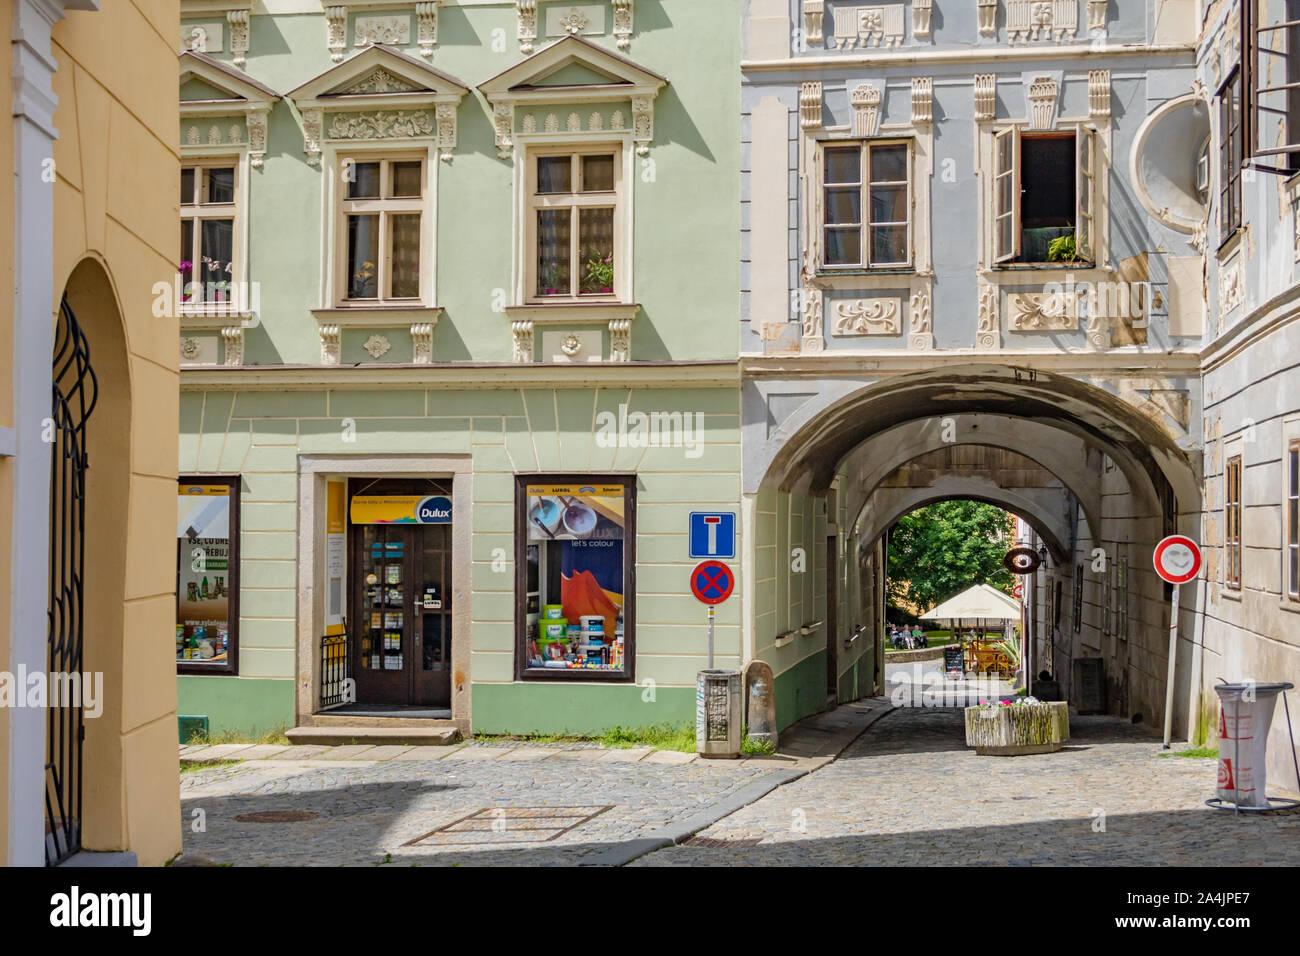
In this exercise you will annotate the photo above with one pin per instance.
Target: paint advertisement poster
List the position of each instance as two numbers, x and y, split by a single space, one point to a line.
203 574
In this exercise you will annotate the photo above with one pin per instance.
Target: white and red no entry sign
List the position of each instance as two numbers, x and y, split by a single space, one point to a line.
1178 559
712 582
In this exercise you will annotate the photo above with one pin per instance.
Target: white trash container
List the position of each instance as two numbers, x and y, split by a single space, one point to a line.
1245 713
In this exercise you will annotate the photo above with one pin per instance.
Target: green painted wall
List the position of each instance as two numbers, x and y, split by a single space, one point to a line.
241 705
801 690
582 708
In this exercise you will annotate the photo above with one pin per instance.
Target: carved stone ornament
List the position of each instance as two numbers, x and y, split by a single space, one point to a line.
1042 311
233 336
377 346
256 122
574 23
238 20
874 26
1097 14
865 100
620 340
446 125
921 17
623 17
192 136
617 122
920 336
643 123
922 101
866 317
1231 284
522 331
381 125
313 121
811 319
329 344
1042 103
422 343
1042 20
986 95
202 37
190 348
814 13
526 11
503 122
988 17
988 333
391 30
336 31
426 14
380 81
1099 93
573 124
810 106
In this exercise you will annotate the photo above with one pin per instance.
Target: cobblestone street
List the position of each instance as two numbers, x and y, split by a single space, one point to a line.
908 792
366 810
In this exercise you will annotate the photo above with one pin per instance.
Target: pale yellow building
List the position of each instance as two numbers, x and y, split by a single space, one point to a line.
90 222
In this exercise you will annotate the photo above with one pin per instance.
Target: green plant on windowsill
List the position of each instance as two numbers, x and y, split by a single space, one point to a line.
597 272
1062 249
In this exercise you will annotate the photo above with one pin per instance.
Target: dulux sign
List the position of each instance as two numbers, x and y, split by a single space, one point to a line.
435 510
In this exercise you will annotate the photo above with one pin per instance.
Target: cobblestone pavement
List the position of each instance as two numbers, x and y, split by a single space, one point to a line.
908 792
516 799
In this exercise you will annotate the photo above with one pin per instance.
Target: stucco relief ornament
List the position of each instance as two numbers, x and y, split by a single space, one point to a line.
190 348
395 31
503 121
574 123
866 317
312 122
192 136
643 123
256 138
422 343
214 135
381 81
1098 331
236 135
381 125
623 23
329 344
617 121
575 22
377 346
1041 311
526 11
426 13
988 335
336 31
522 331
571 345
920 335
198 41
529 124
238 20
446 119
620 340
233 336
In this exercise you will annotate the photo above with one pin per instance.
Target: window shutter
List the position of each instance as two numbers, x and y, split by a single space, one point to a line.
1006 194
1085 196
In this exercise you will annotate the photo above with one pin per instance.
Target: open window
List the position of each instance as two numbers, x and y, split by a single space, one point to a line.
1044 196
1271 35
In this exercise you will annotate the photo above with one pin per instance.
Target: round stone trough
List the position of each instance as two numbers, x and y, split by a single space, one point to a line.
1018 729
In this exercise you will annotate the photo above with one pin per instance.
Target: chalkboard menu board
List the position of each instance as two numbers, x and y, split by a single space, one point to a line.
1089 690
952 658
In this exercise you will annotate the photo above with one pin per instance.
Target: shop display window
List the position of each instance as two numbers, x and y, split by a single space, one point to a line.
207 575
575 539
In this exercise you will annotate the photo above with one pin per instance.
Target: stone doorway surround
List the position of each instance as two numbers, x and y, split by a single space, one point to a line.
313 473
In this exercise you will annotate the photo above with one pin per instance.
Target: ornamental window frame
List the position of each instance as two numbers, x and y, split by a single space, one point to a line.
865 146
385 206
1233 153
201 208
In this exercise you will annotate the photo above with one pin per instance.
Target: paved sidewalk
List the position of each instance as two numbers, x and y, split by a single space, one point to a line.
908 792
496 803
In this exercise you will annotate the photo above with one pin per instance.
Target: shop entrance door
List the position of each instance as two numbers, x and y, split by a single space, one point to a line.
401 576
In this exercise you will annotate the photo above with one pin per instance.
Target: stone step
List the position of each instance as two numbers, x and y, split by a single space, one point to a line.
436 735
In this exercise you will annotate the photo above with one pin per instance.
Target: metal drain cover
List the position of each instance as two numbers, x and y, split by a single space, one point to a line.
723 844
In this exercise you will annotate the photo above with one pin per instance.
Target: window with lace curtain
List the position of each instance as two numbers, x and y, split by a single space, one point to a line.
380 230
575 207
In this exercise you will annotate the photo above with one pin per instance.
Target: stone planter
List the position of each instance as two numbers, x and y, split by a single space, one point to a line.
1018 729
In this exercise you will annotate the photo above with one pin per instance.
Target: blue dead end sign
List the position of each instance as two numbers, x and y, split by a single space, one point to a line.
712 534
712 582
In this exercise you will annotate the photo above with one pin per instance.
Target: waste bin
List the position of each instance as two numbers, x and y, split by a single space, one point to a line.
1245 713
718 713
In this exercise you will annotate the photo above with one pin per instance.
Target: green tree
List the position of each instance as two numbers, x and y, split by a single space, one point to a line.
944 548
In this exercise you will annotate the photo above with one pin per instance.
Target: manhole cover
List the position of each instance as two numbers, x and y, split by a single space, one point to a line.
723 844
510 825
277 816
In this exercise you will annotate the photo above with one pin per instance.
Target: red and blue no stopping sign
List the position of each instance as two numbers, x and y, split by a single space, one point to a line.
712 582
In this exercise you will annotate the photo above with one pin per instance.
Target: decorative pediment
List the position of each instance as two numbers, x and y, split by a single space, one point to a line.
572 71
382 93
209 89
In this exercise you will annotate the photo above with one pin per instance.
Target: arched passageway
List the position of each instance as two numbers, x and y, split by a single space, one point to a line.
1101 471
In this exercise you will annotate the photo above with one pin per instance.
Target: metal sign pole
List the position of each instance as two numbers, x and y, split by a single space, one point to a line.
710 637
1169 677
